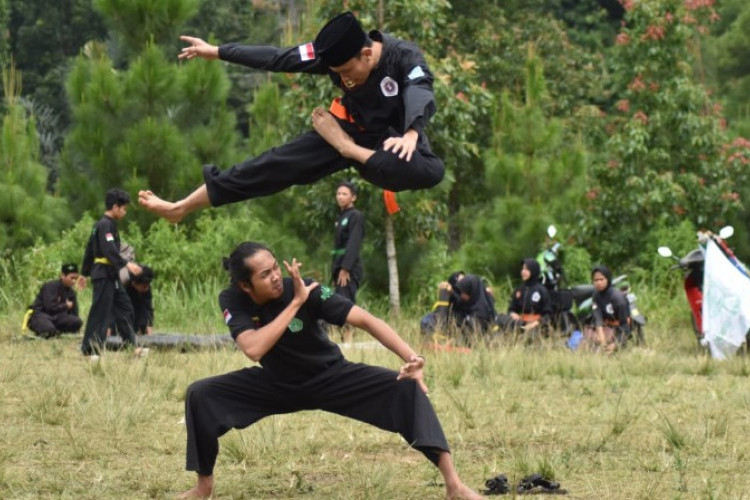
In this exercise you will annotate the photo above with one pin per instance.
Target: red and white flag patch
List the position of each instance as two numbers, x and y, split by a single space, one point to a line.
227 316
109 237
306 52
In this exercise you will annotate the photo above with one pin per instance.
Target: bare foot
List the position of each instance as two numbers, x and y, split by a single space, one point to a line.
330 130
203 489
462 492
165 209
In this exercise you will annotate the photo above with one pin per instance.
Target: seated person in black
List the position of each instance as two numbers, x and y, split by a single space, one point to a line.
611 313
438 318
474 311
139 291
55 309
530 306
275 321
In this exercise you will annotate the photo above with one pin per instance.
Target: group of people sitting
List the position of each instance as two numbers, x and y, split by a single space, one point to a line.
465 310
55 308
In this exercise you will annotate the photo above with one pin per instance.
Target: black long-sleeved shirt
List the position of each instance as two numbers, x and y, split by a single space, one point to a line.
103 243
52 298
347 243
397 95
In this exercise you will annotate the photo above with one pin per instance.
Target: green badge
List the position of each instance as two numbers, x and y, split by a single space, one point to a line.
325 292
295 325
345 221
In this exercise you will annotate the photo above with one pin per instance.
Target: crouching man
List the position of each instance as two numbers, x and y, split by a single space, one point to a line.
275 321
56 306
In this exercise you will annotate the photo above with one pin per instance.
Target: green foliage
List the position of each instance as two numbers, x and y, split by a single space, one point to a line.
140 22
150 125
27 212
537 175
668 157
43 37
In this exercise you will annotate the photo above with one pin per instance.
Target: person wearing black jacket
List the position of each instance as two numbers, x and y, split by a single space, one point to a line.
474 309
102 262
611 312
275 321
56 306
139 292
530 305
377 126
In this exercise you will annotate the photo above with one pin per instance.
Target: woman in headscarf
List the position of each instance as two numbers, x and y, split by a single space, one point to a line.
530 306
442 309
611 313
475 308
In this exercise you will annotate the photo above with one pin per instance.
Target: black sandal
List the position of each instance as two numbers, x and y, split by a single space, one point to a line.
535 484
498 485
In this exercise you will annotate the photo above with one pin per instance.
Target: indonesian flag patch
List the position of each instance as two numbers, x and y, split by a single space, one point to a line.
109 237
306 52
227 316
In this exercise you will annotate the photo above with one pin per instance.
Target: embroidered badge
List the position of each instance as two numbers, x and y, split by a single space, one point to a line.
109 237
325 293
416 72
345 222
535 297
610 309
295 325
388 86
306 52
256 321
227 316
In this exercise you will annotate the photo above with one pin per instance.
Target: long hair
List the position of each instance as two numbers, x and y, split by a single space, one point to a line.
235 264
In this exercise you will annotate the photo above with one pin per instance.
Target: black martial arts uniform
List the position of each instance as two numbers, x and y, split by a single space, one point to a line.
303 371
397 96
143 309
109 303
347 243
51 314
611 309
477 314
531 301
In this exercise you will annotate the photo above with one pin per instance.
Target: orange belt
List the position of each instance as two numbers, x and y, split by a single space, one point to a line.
613 322
339 111
528 318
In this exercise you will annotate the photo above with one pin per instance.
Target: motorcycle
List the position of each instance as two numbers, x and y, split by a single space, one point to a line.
552 277
692 266
572 307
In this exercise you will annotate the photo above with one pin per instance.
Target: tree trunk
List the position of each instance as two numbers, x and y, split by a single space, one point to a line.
390 252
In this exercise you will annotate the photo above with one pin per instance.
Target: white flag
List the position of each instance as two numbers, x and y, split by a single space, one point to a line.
726 303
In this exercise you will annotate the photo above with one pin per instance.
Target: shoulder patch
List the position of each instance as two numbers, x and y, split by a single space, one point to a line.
306 52
109 237
416 72
227 316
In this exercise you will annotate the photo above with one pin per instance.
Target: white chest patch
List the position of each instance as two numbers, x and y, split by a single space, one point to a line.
388 86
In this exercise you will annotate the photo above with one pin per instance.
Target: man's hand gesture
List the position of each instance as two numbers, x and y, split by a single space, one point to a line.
198 48
301 291
413 369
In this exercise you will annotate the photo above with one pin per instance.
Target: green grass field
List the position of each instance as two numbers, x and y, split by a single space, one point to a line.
663 421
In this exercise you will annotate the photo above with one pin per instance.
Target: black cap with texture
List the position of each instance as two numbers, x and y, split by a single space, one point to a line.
340 39
69 268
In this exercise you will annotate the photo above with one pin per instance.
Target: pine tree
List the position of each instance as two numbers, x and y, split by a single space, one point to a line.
27 211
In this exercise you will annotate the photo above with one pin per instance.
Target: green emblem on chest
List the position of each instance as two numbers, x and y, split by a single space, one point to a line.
325 292
345 221
295 325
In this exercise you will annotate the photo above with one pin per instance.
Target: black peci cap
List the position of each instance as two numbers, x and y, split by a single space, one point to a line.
69 268
340 39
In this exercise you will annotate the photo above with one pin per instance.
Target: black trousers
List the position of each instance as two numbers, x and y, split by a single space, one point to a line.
308 158
110 304
48 325
366 393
